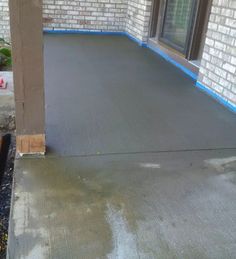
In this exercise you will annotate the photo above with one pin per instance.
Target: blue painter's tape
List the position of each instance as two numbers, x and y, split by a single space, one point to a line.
175 63
140 43
217 97
164 55
83 32
120 33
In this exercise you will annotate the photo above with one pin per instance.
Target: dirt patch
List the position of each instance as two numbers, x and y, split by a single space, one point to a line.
7 113
5 197
7 122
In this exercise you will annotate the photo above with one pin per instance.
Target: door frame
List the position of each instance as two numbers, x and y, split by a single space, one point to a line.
193 15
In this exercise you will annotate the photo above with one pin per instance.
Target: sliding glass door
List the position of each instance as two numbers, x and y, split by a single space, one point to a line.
177 23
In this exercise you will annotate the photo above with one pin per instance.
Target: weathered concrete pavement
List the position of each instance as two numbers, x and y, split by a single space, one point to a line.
170 205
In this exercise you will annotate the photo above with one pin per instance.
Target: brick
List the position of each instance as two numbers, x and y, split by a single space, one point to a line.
218 67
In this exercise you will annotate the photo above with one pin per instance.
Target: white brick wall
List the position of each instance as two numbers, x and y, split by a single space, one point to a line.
218 66
138 18
102 15
4 20
106 15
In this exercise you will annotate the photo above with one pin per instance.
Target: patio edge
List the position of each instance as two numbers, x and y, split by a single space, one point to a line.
95 32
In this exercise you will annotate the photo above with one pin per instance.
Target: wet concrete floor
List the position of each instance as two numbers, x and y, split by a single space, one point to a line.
106 94
141 164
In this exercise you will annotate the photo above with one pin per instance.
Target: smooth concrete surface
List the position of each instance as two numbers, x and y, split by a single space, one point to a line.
119 180
169 205
105 94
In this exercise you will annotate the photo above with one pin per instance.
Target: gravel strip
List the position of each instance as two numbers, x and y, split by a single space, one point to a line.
5 199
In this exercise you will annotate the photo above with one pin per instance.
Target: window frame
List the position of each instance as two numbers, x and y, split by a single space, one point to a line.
190 30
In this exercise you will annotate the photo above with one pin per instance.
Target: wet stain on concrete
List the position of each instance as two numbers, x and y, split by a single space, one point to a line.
220 164
69 201
123 240
225 166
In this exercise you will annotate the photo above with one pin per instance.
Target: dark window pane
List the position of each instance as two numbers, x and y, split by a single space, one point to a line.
177 22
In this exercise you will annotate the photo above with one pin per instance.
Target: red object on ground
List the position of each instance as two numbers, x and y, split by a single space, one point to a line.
3 85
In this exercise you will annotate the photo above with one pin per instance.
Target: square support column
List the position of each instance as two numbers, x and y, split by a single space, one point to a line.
28 69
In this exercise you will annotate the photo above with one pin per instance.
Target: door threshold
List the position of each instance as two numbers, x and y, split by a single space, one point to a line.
195 63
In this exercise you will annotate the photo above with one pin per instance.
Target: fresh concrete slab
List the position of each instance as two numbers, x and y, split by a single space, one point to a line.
140 163
105 94
168 205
